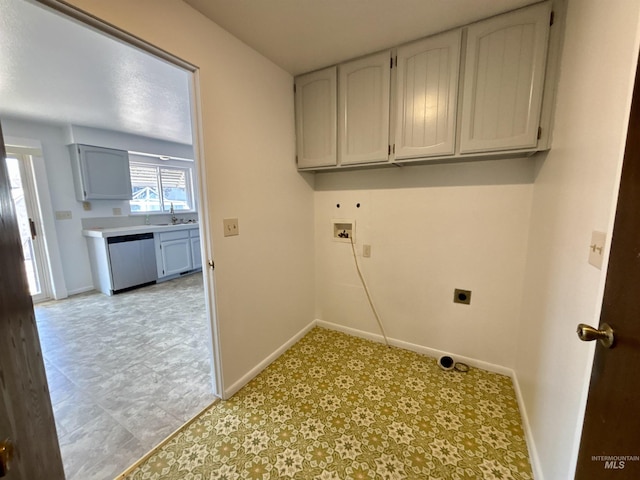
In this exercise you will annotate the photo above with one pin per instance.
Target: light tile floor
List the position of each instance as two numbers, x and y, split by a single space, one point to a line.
124 371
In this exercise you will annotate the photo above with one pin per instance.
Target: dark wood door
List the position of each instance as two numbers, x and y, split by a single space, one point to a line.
26 418
610 444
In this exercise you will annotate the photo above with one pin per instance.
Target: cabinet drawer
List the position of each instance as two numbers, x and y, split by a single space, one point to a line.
167 236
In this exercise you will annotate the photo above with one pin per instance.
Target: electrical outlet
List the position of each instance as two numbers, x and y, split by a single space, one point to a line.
366 251
230 227
63 215
117 211
462 296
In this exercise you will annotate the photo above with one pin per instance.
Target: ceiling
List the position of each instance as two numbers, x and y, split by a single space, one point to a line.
58 71
304 35
55 70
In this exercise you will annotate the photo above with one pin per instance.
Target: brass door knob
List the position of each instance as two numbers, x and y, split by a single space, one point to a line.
587 333
6 455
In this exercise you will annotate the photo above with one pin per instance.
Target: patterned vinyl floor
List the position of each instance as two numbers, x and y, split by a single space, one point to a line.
339 407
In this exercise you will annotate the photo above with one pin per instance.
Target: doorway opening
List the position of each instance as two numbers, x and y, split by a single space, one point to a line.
115 390
27 205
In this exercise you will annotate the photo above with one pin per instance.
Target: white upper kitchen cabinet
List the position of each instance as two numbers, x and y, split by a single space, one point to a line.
426 93
363 109
316 118
100 173
503 80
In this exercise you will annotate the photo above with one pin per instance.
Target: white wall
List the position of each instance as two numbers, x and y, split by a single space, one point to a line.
264 276
574 193
432 229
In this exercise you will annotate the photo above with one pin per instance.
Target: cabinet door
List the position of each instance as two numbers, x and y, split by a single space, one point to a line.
196 253
176 256
427 89
105 173
316 118
363 122
503 80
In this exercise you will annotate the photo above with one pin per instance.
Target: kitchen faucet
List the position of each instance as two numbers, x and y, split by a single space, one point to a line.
174 219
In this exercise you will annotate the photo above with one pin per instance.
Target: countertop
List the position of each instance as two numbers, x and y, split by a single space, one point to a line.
98 232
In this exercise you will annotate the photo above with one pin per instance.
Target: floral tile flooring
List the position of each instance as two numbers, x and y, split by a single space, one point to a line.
340 407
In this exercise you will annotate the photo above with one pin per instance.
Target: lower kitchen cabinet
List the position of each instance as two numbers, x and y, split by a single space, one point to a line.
196 250
178 252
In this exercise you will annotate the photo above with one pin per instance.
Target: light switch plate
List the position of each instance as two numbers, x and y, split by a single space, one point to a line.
231 227
596 248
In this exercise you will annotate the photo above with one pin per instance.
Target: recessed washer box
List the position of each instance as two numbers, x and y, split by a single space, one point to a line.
343 230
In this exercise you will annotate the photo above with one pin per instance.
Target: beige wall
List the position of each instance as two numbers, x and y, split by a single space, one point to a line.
574 193
432 229
264 277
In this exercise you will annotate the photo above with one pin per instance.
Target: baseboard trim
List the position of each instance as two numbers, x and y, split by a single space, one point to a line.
531 444
430 352
78 291
251 374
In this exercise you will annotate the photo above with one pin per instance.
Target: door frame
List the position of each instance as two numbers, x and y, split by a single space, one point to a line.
95 23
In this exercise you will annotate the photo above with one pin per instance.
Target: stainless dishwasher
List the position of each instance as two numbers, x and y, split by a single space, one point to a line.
132 260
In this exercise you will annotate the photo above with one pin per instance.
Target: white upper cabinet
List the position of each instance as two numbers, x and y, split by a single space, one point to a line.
426 93
363 108
503 82
100 173
316 118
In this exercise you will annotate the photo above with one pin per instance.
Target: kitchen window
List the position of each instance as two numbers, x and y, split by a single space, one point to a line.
157 185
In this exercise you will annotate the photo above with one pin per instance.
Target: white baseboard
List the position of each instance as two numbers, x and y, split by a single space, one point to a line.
80 290
531 445
251 374
431 352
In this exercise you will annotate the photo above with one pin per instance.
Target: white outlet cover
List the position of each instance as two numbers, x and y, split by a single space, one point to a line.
63 215
596 248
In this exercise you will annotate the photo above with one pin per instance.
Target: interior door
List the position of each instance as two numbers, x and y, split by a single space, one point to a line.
26 417
610 444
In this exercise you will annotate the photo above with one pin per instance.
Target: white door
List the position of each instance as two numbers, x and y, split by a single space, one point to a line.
25 200
363 122
504 76
427 89
316 118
